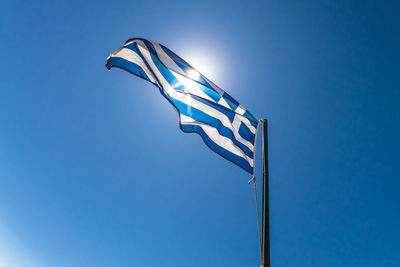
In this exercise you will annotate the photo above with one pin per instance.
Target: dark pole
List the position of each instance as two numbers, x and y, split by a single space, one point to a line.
266 262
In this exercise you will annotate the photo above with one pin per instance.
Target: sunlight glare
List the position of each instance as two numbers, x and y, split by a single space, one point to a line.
193 74
205 62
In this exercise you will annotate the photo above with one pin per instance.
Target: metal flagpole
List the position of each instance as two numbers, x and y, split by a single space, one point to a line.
265 260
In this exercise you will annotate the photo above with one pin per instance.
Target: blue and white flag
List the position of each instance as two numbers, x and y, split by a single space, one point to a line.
225 126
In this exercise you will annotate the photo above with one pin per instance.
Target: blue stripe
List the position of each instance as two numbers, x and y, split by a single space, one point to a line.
251 118
210 92
246 134
202 117
134 47
216 148
185 66
128 66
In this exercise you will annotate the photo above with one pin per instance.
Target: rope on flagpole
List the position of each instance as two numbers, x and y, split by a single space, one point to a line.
255 189
258 214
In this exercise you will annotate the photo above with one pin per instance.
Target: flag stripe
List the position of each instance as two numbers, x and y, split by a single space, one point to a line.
132 56
213 134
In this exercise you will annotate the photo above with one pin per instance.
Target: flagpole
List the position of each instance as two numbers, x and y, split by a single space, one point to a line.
266 262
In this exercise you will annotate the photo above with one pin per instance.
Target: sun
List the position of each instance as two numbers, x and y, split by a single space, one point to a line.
204 62
193 74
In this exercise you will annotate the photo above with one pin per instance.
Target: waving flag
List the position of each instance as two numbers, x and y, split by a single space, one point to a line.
225 126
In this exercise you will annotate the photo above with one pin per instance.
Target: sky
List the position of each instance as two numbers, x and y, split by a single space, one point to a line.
94 170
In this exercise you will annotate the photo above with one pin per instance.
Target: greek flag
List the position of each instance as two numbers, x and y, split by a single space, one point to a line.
225 126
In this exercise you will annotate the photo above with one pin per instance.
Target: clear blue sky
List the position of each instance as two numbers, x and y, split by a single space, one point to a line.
94 170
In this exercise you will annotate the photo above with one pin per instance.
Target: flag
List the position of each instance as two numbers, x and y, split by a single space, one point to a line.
225 125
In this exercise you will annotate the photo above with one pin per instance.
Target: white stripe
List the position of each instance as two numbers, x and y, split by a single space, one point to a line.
237 120
214 135
213 85
146 54
223 102
130 42
167 60
191 87
213 113
190 84
133 57
240 110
